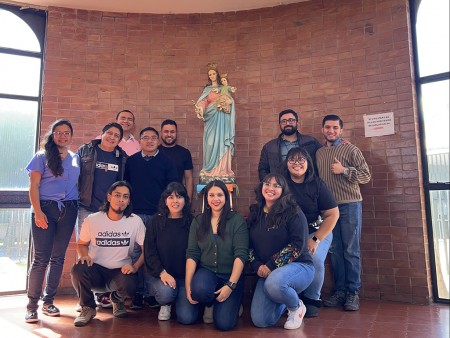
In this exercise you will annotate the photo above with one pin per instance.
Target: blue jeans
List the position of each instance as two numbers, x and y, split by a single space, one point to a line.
279 291
313 290
187 313
345 249
204 284
50 247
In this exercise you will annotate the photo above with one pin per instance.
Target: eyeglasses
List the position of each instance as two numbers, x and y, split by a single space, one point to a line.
147 138
286 121
275 185
61 133
298 160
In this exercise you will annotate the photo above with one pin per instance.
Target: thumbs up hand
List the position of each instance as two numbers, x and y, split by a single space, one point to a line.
337 168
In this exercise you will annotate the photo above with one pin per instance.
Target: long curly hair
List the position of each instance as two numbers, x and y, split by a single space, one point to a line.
54 161
226 213
163 210
281 212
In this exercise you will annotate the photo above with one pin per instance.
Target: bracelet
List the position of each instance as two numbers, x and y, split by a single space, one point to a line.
231 285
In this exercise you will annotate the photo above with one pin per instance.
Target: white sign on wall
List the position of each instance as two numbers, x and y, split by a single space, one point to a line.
379 124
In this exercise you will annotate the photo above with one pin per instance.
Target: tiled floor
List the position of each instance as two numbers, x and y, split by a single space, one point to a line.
375 319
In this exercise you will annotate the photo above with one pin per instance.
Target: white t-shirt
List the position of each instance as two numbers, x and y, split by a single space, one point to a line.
112 242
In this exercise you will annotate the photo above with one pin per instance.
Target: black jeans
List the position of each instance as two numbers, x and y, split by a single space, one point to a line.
86 278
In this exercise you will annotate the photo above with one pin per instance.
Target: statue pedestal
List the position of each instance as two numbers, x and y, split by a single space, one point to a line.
230 186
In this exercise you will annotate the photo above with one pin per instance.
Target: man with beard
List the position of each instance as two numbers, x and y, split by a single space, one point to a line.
104 246
274 152
179 155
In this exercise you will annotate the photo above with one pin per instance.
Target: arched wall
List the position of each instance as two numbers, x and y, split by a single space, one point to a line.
347 57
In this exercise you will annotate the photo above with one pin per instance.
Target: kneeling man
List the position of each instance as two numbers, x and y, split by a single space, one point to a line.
104 246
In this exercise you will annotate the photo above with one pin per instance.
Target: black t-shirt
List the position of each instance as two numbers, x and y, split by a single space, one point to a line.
312 197
106 173
181 157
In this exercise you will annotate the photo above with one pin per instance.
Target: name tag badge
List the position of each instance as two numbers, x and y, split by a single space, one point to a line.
113 167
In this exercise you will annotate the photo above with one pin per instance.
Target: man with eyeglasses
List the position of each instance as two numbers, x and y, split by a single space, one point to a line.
274 152
343 168
149 172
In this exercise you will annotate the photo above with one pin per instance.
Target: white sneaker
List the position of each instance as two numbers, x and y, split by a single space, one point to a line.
295 318
164 312
208 315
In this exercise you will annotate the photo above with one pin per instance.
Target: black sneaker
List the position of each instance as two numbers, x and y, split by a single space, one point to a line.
31 316
311 311
151 302
50 310
137 302
352 302
337 299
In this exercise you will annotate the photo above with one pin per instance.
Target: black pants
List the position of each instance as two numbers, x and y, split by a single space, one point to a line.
86 278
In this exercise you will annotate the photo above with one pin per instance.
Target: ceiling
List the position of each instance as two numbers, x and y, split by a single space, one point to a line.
157 6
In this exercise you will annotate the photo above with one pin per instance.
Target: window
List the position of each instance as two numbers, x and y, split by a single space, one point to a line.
21 43
431 18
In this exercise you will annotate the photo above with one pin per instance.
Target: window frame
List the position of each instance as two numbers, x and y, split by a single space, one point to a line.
428 186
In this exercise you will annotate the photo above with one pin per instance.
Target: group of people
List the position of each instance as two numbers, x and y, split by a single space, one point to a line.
137 236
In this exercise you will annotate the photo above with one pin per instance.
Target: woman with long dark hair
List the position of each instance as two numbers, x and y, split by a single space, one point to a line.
165 252
319 205
278 254
54 172
216 254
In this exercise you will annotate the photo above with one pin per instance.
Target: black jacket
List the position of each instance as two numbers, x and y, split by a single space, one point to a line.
88 158
270 160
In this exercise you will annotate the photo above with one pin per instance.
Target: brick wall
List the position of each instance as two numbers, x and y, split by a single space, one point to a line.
347 57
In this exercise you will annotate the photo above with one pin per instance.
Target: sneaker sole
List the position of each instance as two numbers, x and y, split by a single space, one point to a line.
121 315
346 308
81 324
136 307
52 314
325 304
31 321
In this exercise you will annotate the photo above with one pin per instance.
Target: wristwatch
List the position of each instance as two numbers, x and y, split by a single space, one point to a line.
231 285
346 171
315 239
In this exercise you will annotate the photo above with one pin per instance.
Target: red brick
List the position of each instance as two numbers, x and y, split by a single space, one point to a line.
99 62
